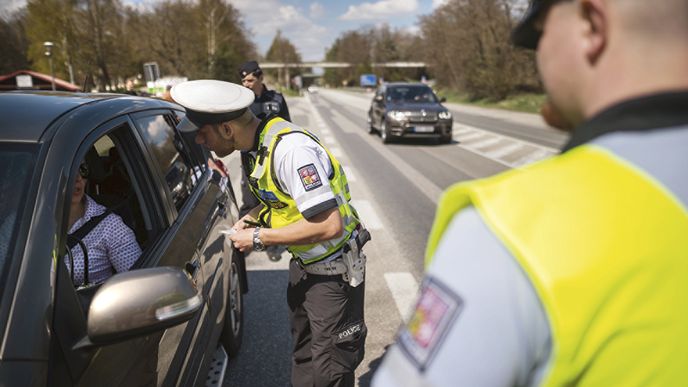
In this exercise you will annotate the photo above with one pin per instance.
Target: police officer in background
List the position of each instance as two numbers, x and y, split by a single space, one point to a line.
267 102
305 205
574 270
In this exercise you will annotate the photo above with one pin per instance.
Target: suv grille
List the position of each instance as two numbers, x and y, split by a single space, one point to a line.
422 116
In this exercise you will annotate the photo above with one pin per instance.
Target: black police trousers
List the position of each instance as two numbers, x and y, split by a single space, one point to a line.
327 326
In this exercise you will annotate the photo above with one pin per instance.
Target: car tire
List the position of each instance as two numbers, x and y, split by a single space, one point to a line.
233 328
446 139
385 133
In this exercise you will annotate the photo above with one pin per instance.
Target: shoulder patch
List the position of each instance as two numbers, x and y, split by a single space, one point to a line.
436 309
309 177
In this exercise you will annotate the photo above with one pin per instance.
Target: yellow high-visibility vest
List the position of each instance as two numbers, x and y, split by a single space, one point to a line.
281 209
606 248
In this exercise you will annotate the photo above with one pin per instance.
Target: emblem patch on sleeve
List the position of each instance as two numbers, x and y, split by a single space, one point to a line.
309 177
435 311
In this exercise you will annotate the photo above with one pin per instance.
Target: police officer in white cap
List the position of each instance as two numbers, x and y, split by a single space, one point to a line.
305 205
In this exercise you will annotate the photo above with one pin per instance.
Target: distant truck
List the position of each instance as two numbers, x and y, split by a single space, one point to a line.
368 80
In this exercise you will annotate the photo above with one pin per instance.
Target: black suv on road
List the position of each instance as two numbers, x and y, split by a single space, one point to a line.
409 109
158 323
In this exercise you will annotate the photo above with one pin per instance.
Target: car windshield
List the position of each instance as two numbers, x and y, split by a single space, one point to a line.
16 164
411 94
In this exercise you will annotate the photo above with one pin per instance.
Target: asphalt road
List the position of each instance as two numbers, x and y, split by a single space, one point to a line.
395 188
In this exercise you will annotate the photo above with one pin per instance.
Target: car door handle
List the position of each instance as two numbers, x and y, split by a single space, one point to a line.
192 267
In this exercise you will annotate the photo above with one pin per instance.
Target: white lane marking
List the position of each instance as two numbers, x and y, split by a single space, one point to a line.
350 175
484 143
404 290
537 155
505 151
329 139
337 152
464 135
368 215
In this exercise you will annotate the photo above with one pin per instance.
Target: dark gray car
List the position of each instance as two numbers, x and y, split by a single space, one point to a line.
159 323
409 110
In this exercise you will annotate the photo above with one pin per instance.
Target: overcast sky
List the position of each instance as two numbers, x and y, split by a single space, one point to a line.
312 26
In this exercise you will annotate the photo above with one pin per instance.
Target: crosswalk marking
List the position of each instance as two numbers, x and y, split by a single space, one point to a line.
404 290
350 175
337 152
368 215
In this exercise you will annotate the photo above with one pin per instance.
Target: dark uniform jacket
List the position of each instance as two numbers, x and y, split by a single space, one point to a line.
270 102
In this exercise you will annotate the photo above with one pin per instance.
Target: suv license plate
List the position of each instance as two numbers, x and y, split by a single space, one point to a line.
424 129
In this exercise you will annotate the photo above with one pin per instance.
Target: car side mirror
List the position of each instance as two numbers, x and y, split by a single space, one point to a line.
139 302
443 99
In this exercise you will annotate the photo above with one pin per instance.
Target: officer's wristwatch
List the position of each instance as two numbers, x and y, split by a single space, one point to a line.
257 243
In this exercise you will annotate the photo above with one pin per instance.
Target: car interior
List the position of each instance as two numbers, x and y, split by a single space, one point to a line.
110 185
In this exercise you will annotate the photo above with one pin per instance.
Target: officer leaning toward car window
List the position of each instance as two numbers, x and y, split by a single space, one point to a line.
305 205
267 102
574 270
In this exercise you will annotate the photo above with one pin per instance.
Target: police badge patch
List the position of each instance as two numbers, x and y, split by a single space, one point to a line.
435 311
309 177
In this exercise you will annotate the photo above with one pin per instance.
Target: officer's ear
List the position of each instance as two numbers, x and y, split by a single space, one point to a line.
225 130
595 15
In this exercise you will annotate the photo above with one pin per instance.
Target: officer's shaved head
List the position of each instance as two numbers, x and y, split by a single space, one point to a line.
651 20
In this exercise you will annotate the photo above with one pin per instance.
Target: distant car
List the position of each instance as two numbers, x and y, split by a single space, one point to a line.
158 323
407 110
312 89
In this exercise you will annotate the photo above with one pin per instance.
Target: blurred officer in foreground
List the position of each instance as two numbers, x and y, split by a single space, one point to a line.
572 271
305 205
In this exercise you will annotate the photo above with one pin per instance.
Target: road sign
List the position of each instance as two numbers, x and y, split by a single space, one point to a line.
368 80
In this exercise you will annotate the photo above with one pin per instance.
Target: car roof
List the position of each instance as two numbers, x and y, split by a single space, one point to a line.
404 84
25 116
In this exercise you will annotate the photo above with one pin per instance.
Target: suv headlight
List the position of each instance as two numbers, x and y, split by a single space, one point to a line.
396 115
445 115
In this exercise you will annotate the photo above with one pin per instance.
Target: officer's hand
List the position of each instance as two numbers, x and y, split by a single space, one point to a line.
242 240
246 222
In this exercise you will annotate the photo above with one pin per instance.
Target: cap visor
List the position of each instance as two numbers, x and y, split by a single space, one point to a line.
185 125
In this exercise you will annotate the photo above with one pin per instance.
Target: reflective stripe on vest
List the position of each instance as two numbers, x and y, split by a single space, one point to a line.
281 209
605 247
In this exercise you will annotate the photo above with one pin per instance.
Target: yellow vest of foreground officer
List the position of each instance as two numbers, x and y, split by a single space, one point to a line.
606 248
280 209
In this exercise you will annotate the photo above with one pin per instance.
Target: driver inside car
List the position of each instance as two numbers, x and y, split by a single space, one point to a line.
101 243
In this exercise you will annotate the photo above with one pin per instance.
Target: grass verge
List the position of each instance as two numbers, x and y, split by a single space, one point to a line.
525 102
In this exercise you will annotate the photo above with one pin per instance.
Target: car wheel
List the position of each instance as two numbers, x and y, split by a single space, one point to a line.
385 133
233 329
446 139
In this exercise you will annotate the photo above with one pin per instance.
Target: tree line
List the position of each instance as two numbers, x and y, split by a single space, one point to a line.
109 42
465 44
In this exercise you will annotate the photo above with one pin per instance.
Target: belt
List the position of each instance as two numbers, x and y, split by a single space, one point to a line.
334 267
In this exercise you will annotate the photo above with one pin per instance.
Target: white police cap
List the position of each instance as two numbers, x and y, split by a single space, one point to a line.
209 101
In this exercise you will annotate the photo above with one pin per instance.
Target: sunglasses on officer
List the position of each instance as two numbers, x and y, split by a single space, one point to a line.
84 170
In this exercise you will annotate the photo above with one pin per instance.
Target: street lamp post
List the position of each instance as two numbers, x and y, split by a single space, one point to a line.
49 53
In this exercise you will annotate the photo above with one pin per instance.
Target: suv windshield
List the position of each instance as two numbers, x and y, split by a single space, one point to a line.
16 164
411 94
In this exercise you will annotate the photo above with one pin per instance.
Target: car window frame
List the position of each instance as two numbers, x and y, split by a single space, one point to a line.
11 271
